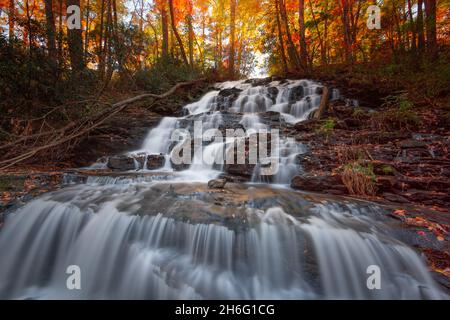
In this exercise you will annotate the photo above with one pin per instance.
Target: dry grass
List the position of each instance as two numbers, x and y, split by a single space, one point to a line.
359 180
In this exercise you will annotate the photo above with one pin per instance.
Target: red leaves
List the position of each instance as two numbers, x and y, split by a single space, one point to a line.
439 231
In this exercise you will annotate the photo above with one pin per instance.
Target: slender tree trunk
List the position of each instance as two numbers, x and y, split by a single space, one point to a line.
430 11
301 22
101 50
108 44
86 32
29 29
324 54
191 34
420 31
347 36
231 57
119 51
292 52
413 27
280 38
11 21
175 31
191 40
75 43
165 32
60 35
50 30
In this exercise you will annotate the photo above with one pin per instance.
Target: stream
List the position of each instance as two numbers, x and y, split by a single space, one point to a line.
140 232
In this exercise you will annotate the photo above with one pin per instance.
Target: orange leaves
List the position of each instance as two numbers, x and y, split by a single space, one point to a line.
439 231
400 212
4 3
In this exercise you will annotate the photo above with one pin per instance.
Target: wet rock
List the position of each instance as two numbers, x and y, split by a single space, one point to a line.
232 179
307 125
179 167
273 92
229 92
243 170
140 159
319 90
217 183
394 197
412 143
324 183
296 93
155 161
259 81
386 183
225 98
234 126
123 163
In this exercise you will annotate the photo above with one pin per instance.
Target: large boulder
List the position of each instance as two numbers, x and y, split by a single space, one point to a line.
155 161
122 163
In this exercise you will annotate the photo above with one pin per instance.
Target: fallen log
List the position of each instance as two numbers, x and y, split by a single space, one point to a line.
79 128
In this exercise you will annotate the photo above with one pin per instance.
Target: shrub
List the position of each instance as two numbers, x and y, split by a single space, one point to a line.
387 170
326 128
164 74
398 115
359 179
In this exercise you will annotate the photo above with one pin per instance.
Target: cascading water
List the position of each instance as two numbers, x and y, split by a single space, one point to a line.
149 235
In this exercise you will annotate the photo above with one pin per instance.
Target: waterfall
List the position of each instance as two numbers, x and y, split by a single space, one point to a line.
158 139
124 253
163 234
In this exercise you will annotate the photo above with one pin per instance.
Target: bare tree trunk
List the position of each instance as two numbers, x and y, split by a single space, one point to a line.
117 45
413 27
50 28
347 36
430 11
60 34
420 31
231 57
75 42
86 32
324 54
280 38
165 32
191 40
11 20
292 52
301 23
175 31
108 44
101 47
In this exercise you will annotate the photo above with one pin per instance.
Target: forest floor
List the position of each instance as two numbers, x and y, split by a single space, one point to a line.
394 153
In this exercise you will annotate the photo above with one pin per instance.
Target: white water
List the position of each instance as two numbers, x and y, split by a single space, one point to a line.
295 100
125 234
124 255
